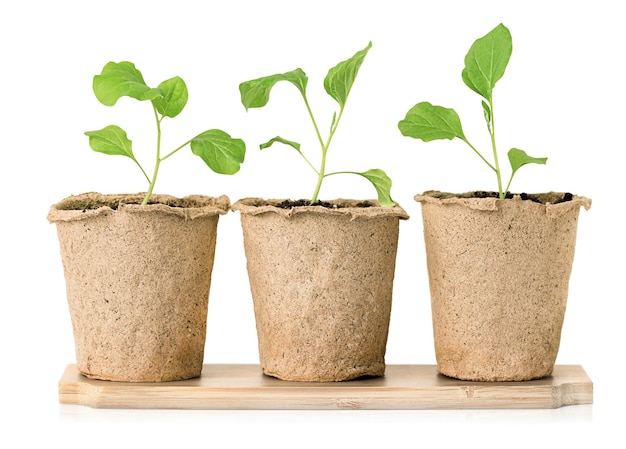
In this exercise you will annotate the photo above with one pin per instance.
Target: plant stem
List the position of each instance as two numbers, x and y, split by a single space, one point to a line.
492 133
158 159
320 173
325 146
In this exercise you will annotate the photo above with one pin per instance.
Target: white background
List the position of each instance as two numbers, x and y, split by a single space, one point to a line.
561 97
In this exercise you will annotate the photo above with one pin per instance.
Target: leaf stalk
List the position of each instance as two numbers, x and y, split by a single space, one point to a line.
158 158
492 133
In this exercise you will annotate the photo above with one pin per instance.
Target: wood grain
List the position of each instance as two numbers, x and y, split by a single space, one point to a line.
244 387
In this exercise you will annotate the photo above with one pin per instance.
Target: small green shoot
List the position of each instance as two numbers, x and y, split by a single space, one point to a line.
222 153
485 64
338 83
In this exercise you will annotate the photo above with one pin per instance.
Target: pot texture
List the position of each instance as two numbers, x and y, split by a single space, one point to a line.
499 273
321 281
137 281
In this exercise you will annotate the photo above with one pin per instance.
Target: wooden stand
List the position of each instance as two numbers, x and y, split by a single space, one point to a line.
244 387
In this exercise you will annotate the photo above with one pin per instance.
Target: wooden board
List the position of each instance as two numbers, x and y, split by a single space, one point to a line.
403 387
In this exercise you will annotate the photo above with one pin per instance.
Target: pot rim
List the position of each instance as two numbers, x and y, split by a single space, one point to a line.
91 204
350 207
467 199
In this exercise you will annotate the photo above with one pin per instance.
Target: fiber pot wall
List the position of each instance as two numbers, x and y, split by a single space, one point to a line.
137 280
499 273
321 282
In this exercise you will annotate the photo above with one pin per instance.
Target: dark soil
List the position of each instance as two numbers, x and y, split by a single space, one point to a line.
537 199
85 203
88 205
483 194
541 198
288 204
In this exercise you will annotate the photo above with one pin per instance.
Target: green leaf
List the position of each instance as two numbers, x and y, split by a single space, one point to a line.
174 98
340 78
382 184
121 79
111 140
256 93
219 151
427 122
519 158
486 61
279 139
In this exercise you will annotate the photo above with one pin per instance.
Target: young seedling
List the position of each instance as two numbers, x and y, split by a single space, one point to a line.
338 83
485 64
222 153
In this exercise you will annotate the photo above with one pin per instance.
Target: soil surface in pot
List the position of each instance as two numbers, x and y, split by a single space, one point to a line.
288 204
541 198
95 201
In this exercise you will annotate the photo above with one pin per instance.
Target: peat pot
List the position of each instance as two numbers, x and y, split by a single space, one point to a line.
321 280
137 280
499 272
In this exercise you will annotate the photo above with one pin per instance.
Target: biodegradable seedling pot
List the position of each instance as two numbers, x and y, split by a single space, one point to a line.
499 272
137 280
321 280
